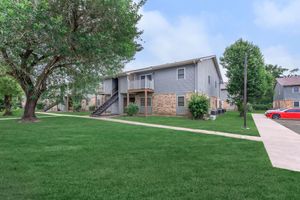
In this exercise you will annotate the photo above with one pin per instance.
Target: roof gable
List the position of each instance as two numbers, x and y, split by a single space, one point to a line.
289 81
176 64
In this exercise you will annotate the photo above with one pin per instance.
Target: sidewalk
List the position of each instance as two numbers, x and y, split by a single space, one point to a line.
281 143
230 135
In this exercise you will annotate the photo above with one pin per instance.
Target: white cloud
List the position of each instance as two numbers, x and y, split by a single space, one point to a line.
169 42
272 14
281 56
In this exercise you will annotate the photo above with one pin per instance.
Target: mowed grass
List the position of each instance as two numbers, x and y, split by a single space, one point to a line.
73 158
15 113
229 122
81 113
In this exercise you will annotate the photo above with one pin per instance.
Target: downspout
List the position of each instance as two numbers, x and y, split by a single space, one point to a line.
196 76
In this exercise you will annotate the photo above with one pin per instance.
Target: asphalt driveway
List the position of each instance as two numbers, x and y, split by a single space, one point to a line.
294 125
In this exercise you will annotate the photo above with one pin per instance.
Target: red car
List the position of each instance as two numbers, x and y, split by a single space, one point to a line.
293 113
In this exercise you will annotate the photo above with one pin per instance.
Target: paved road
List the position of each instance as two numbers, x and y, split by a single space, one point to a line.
291 124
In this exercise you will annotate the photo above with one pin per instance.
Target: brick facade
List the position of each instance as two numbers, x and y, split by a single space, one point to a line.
164 104
283 104
213 103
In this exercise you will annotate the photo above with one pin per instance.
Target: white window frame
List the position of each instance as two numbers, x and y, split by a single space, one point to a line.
183 101
295 88
298 103
183 73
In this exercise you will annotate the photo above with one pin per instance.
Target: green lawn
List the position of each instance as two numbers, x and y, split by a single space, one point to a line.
81 113
16 113
229 122
73 158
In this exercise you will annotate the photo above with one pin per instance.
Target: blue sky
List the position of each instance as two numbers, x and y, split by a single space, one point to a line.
175 30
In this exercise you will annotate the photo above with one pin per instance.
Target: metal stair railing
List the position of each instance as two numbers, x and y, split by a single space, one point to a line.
101 109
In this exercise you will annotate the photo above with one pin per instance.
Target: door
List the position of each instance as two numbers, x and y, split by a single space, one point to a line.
149 81
143 81
146 81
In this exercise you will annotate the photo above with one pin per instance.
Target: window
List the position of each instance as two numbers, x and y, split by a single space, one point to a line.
296 89
215 84
180 101
209 80
296 104
149 102
180 73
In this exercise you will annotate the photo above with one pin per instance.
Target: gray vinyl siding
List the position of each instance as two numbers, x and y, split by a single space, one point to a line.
279 92
165 80
107 86
121 103
290 95
224 95
207 68
123 84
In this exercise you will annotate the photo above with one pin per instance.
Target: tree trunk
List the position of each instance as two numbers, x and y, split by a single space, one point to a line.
7 105
29 110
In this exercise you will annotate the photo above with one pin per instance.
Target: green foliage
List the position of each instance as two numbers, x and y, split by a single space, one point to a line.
45 43
275 70
262 106
132 109
76 102
9 86
272 72
40 105
233 61
198 105
92 108
1 105
10 92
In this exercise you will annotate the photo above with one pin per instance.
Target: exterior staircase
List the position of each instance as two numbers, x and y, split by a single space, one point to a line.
101 109
50 106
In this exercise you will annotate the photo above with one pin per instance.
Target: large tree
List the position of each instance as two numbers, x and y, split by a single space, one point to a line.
273 72
9 89
41 39
233 61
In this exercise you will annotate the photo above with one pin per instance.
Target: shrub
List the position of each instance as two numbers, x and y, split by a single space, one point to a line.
262 106
92 108
249 108
132 109
40 105
76 107
198 105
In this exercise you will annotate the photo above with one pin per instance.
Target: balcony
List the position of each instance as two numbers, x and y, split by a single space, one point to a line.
141 85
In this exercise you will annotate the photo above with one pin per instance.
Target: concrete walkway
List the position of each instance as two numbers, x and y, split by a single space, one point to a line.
230 135
281 143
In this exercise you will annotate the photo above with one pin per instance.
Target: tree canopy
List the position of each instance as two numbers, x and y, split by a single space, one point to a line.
233 61
42 42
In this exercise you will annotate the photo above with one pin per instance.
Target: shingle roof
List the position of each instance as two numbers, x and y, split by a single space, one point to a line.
289 81
175 64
